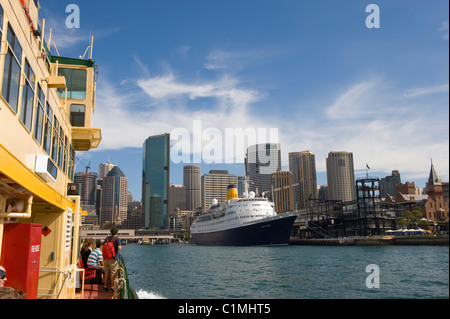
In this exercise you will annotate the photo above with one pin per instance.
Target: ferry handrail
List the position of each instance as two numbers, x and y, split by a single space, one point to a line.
53 270
125 292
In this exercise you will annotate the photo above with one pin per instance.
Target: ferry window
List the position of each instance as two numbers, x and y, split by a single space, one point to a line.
77 114
61 147
65 155
75 82
55 140
71 162
27 97
39 117
1 19
11 72
14 43
48 129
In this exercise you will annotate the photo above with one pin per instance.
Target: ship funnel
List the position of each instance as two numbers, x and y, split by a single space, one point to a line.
232 192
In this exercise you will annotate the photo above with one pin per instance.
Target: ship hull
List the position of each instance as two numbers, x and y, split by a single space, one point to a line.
274 231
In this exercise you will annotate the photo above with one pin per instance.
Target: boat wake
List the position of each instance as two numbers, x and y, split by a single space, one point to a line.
142 294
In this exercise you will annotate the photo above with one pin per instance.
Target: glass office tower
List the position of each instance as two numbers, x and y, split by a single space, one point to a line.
155 181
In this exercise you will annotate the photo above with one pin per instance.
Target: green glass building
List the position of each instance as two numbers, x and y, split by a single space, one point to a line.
155 181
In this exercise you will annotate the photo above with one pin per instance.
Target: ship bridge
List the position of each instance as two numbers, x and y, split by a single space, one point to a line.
78 98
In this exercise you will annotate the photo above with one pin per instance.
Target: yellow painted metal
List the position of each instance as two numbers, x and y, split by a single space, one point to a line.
85 138
19 173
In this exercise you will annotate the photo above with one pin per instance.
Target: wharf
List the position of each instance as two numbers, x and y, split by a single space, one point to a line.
373 241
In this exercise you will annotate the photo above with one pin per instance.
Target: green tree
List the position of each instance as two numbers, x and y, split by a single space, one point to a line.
411 219
423 223
185 235
401 222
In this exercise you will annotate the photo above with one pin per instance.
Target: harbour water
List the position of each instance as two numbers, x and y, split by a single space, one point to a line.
290 272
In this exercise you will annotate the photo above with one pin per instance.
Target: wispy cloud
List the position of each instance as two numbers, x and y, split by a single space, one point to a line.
352 103
426 90
165 104
237 60
444 28
380 126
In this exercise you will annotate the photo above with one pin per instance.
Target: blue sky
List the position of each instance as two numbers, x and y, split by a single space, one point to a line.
311 69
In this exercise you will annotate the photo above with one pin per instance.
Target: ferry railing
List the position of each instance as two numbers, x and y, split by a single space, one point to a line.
123 289
52 290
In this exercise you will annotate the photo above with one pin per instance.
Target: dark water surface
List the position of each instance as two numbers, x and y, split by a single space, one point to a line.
291 272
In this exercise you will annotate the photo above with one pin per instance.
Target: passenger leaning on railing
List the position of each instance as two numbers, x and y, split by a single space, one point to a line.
110 252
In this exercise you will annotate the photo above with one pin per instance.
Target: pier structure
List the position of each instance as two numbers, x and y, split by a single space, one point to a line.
365 216
134 236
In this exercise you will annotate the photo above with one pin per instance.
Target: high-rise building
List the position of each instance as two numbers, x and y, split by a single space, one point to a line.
214 186
104 168
240 185
193 184
87 187
283 192
387 184
155 181
341 176
176 199
114 197
261 161
303 168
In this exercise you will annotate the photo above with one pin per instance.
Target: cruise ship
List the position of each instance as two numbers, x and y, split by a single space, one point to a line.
46 109
246 221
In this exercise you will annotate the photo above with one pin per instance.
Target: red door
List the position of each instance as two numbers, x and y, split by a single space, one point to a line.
21 251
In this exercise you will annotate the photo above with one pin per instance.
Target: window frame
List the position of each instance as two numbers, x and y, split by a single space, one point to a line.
12 68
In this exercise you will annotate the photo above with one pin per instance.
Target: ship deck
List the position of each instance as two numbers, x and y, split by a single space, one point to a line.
93 291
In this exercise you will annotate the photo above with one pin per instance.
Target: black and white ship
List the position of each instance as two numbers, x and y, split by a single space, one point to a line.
246 221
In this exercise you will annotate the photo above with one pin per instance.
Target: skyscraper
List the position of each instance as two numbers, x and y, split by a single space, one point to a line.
114 197
176 199
341 176
87 187
193 184
387 184
303 168
214 186
104 168
155 180
283 193
261 161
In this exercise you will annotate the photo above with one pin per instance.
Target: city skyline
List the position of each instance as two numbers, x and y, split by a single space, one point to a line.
313 70
204 169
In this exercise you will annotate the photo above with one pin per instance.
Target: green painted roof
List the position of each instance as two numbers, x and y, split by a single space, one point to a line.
63 60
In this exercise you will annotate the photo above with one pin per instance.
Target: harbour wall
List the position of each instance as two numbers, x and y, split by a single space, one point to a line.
373 241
